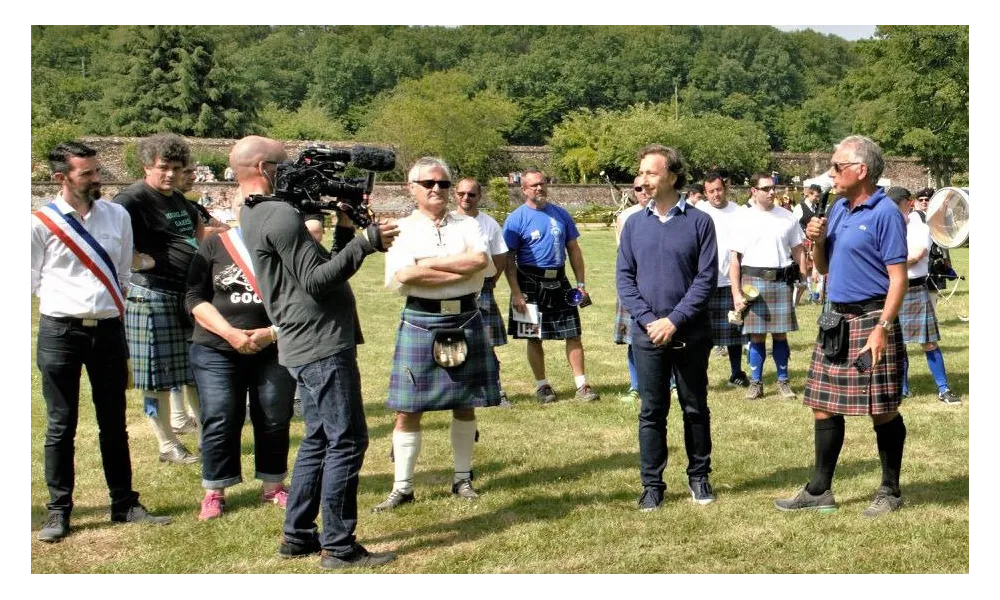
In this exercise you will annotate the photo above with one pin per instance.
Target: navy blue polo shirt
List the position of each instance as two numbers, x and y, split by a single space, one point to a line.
860 243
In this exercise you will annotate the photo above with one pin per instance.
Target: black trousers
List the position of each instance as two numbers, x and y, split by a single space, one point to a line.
655 365
63 349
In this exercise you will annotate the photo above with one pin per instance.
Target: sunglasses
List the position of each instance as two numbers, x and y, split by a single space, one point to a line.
765 188
840 166
638 188
464 194
428 184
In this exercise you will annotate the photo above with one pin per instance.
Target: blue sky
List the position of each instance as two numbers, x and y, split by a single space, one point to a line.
848 32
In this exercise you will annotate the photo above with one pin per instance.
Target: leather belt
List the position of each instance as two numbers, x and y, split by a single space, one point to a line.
453 306
918 281
859 308
767 273
80 322
552 273
156 283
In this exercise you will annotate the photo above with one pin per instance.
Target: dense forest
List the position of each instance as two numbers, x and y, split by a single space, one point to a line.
725 95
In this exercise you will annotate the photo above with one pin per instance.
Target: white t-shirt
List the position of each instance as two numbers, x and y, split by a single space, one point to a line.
918 238
622 217
728 221
766 238
420 238
492 237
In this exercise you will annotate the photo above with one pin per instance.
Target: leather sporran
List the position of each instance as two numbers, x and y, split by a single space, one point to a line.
449 347
834 335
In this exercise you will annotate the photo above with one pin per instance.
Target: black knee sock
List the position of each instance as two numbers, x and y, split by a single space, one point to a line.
890 438
829 441
735 359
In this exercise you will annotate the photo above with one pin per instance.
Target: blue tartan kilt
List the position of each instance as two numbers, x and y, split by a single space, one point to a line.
916 317
724 333
623 324
157 329
772 312
495 332
418 384
559 320
838 388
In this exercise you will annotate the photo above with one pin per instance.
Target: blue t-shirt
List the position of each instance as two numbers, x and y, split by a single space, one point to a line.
539 237
859 245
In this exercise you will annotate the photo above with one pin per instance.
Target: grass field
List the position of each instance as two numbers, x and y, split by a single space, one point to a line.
559 483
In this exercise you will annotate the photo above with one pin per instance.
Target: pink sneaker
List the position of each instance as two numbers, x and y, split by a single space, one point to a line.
212 505
277 496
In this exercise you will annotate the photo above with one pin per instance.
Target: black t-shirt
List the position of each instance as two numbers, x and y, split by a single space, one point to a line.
164 228
215 278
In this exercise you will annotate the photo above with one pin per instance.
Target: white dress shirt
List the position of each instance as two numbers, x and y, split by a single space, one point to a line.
492 237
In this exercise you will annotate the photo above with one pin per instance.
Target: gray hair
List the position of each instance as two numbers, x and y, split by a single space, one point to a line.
168 146
426 163
864 150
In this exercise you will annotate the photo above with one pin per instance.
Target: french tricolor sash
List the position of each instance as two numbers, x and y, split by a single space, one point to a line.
233 242
88 250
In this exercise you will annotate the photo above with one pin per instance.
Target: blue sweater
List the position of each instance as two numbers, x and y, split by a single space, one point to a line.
668 269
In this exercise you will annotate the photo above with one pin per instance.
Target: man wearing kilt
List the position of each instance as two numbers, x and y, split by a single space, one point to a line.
442 359
468 195
768 255
917 318
541 237
623 321
167 229
862 245
728 218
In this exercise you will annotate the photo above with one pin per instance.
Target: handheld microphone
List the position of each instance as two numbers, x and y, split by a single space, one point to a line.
821 207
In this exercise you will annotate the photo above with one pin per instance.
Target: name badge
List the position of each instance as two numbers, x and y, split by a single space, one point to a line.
451 307
550 273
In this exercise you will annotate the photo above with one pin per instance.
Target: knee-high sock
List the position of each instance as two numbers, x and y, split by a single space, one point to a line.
178 415
781 352
755 359
935 361
906 373
633 375
463 438
890 438
152 404
406 449
735 359
829 441
193 402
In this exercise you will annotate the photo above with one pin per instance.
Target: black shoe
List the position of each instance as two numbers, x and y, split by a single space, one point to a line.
701 490
651 499
359 557
56 527
949 397
290 549
179 455
394 499
463 489
545 394
137 513
741 379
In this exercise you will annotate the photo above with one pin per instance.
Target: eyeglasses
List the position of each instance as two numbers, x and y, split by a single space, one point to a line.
840 166
765 188
466 194
428 184
540 184
638 188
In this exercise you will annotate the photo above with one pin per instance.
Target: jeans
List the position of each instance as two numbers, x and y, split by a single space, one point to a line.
330 455
689 367
224 380
62 350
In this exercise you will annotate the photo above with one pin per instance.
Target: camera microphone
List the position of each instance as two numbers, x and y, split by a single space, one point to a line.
368 158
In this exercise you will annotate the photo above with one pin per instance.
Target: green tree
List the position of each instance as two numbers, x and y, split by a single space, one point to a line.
817 124
308 122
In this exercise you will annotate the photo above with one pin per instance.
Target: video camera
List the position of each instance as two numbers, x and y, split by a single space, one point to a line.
318 172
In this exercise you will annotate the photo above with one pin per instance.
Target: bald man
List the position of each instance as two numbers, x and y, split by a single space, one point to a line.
311 303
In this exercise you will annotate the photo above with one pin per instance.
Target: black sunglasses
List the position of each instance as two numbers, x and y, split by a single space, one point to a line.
840 166
430 183
469 194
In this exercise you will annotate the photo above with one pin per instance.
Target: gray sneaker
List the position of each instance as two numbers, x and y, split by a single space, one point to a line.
463 489
823 503
785 390
755 391
56 527
545 394
883 503
585 393
949 397
394 499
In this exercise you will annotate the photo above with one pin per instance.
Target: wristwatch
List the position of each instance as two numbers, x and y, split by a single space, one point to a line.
885 325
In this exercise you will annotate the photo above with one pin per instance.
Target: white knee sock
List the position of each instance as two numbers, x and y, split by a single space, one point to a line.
463 438
193 402
153 404
405 449
178 416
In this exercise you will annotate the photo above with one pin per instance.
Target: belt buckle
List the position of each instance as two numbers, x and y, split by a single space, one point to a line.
771 274
550 273
88 322
451 307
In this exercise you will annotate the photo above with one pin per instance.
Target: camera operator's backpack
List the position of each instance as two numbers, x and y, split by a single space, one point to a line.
938 264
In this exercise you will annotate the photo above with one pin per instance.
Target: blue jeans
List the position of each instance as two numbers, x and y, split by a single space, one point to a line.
224 379
689 367
63 350
330 455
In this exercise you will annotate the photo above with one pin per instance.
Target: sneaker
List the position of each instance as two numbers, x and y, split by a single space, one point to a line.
189 427
785 390
179 455
651 499
291 549
56 527
278 496
359 557
755 391
585 393
805 501
394 499
504 402
463 489
545 394
137 513
883 503
701 490
212 505
721 351
905 393
631 397
949 397
739 380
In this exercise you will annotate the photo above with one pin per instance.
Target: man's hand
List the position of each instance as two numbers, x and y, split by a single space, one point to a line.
519 302
660 331
878 339
816 229
388 232
260 338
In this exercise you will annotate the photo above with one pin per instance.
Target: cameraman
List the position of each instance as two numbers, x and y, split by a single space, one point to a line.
311 303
